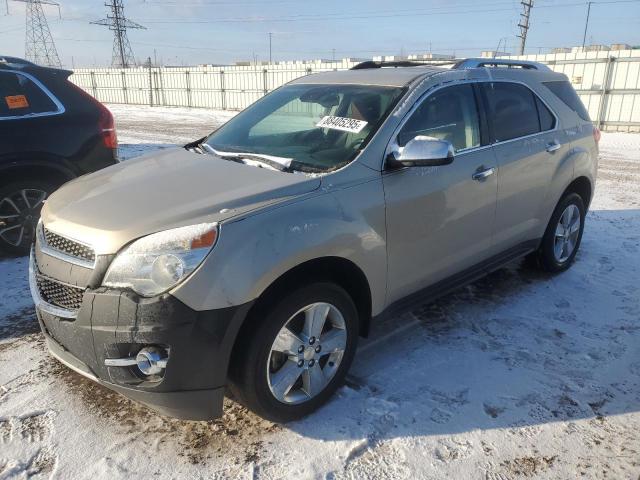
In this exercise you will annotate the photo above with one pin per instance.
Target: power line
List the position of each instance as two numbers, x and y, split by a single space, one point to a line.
373 14
433 11
39 47
346 51
122 55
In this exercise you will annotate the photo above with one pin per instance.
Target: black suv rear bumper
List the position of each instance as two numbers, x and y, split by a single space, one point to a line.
117 324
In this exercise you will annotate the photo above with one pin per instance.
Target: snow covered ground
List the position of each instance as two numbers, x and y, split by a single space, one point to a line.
518 375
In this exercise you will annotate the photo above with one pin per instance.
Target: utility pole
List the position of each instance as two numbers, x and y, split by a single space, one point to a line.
117 22
270 35
39 47
524 23
586 25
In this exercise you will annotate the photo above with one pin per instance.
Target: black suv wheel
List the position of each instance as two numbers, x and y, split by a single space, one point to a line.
20 205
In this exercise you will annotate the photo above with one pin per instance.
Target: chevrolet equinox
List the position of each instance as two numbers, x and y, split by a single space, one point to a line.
254 258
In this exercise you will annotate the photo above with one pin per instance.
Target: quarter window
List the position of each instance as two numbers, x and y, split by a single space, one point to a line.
547 120
565 92
448 114
19 96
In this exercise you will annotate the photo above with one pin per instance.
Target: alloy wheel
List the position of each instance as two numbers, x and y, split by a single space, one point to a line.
566 235
19 214
306 353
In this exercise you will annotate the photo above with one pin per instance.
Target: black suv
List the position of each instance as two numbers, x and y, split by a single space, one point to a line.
51 131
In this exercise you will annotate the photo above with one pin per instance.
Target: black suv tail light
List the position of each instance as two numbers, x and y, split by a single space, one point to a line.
106 125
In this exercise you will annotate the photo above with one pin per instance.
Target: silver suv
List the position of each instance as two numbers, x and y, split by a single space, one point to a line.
254 258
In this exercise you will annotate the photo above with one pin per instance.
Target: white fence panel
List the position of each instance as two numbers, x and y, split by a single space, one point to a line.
608 83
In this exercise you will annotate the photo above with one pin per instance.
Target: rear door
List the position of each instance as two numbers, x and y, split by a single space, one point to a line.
528 147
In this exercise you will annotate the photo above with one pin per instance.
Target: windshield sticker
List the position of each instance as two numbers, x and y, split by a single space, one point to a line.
16 101
340 123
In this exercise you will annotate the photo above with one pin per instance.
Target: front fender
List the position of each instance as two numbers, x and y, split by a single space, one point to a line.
254 251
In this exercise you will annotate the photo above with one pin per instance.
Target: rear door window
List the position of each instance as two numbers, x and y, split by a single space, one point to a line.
20 96
512 110
565 92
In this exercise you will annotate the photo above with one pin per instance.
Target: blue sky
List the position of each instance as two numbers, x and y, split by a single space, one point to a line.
223 31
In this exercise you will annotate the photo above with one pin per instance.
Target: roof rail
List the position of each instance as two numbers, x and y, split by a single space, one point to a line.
499 62
372 64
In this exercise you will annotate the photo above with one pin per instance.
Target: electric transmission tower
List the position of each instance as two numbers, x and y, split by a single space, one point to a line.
524 23
39 47
118 24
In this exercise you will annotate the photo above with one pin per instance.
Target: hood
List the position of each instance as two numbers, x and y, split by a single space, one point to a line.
114 206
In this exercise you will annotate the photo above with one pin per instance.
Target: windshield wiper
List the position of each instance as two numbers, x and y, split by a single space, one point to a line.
276 163
207 148
265 161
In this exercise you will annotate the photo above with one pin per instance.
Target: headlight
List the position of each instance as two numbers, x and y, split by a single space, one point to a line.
158 262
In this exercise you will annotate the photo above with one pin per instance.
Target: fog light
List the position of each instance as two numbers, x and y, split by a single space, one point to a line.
152 360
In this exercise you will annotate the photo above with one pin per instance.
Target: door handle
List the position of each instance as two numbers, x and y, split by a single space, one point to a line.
553 146
480 175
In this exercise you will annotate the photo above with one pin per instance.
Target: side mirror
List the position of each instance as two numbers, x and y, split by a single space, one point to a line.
422 151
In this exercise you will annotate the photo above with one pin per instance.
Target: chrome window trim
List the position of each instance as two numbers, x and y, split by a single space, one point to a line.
38 300
52 252
392 145
60 107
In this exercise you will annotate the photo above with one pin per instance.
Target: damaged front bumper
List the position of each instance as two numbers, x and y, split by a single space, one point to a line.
114 324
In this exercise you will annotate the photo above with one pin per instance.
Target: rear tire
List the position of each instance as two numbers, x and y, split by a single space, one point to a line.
295 356
20 205
563 235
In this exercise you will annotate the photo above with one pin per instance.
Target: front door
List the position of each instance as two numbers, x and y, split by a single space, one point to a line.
440 219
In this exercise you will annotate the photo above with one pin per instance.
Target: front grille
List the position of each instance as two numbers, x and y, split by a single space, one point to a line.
69 247
59 294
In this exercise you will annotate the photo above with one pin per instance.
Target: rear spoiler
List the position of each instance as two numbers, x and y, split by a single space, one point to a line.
20 64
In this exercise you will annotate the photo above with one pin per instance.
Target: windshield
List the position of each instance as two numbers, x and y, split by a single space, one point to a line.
312 128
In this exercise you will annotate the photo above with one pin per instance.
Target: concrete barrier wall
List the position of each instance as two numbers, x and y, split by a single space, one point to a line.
608 83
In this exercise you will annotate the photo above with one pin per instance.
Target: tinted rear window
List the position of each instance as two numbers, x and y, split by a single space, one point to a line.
513 110
565 92
20 96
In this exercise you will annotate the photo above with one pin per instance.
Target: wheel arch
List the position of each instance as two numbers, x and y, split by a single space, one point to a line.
43 171
337 270
582 186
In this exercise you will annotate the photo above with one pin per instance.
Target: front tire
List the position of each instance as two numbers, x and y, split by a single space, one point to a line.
562 238
297 354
